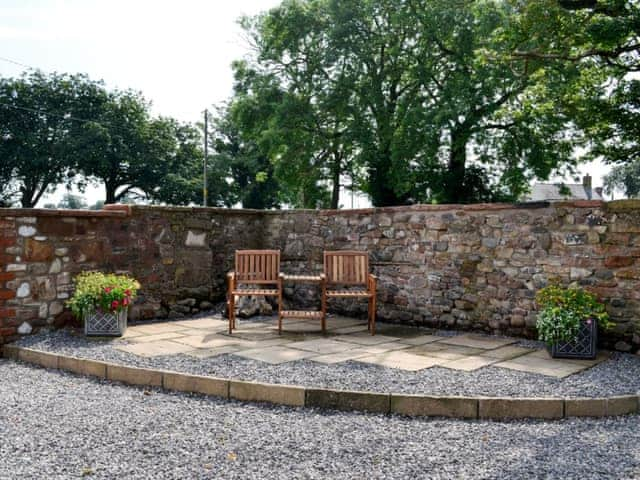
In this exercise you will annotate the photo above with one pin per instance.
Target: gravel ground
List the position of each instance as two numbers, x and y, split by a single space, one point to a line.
618 376
56 425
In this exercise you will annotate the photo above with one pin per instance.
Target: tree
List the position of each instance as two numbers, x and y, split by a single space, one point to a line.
40 118
625 177
602 39
422 100
242 165
136 155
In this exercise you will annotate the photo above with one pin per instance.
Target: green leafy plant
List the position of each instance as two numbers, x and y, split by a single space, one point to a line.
100 291
562 310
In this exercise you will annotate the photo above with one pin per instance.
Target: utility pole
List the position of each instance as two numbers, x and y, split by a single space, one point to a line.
206 151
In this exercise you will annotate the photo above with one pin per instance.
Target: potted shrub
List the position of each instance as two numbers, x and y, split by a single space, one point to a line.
568 321
102 302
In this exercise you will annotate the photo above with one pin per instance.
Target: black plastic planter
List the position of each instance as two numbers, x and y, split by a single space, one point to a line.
582 347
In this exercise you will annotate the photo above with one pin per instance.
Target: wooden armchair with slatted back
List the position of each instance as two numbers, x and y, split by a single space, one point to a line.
256 273
347 276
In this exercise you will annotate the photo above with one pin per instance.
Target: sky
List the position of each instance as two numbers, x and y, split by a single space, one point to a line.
178 54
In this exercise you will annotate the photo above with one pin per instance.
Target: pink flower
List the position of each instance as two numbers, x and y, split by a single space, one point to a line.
115 304
127 292
108 289
125 301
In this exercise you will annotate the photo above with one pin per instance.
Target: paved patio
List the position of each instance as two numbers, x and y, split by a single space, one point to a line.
347 339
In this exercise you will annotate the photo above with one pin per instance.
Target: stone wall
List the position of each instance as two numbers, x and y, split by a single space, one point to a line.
473 267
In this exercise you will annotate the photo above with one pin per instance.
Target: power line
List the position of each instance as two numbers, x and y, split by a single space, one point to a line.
45 112
8 60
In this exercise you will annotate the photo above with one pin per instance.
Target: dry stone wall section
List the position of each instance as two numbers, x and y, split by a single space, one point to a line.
474 267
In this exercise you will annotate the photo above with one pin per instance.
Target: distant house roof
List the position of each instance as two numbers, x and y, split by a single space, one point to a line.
551 192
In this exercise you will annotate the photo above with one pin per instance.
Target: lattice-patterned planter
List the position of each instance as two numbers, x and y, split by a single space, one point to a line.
105 323
582 347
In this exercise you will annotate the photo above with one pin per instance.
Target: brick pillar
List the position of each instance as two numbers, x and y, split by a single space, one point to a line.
7 313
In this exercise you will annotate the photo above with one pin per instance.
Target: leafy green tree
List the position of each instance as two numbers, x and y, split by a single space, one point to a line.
625 177
422 101
40 119
242 165
601 38
138 156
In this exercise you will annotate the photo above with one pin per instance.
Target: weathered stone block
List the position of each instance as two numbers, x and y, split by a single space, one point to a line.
262 392
134 376
622 405
94 368
35 251
183 382
500 408
348 400
585 407
419 405
44 359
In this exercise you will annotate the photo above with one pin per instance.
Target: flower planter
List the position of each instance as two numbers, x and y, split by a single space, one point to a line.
582 347
103 324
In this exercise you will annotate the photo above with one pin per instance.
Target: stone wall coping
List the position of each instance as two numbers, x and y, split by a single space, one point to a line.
414 405
47 212
118 210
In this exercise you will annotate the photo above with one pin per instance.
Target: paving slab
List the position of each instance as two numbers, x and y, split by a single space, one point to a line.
155 337
131 333
213 352
208 341
275 355
477 341
600 357
215 323
301 327
365 338
471 363
331 358
155 349
401 360
384 347
421 340
508 352
401 331
556 372
532 359
155 328
352 329
321 346
340 322
447 352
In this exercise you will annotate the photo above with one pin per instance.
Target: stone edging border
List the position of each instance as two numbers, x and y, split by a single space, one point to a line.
497 408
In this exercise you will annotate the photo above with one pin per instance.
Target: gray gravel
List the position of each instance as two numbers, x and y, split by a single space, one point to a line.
56 425
618 376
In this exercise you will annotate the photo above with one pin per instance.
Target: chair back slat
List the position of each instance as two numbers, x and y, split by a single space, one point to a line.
257 266
346 267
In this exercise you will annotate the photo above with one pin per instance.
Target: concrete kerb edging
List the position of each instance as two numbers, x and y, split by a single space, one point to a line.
498 408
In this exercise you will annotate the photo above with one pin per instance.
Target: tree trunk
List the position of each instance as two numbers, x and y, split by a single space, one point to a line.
110 191
336 170
454 184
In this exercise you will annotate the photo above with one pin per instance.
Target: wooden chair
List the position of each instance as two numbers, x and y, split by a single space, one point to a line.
256 273
345 271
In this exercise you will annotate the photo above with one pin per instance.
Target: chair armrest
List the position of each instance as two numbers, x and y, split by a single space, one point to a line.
231 275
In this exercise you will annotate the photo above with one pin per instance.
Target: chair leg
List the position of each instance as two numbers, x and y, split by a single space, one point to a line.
232 313
323 318
373 315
